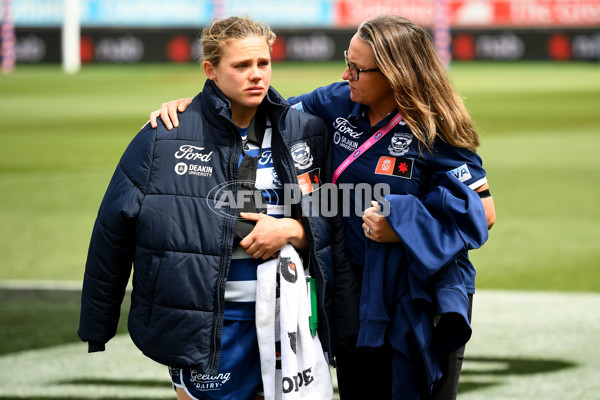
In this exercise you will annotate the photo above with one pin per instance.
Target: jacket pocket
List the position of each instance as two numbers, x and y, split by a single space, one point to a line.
144 285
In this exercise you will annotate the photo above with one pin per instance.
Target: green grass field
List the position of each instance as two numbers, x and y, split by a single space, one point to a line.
62 136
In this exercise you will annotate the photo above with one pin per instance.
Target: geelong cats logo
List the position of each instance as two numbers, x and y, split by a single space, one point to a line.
400 143
301 155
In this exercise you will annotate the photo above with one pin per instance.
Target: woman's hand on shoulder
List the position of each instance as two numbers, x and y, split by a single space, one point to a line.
168 112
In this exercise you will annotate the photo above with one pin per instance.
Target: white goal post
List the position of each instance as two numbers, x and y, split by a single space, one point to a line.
71 36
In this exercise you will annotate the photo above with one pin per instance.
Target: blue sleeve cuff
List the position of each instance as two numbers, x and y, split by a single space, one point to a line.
94 347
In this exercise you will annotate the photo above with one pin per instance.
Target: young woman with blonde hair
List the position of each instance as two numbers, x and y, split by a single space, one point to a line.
194 259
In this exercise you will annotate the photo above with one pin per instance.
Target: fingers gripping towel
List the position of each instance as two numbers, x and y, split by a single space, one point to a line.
292 361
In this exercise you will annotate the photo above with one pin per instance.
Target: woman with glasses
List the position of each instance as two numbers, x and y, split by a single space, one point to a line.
397 120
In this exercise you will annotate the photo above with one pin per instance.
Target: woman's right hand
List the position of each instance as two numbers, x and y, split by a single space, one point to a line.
168 112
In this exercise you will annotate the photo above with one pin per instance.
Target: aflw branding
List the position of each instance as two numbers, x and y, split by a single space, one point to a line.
462 173
193 153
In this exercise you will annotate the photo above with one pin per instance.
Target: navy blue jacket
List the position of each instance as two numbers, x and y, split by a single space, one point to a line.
413 294
159 214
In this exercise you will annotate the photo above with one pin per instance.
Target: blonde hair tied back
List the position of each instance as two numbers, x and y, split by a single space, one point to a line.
216 36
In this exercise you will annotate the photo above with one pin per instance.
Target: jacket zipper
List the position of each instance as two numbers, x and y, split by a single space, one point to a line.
226 250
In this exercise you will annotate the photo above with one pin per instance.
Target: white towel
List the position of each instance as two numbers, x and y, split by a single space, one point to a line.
292 362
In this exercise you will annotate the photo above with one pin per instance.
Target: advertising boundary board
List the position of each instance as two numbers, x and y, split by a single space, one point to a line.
43 45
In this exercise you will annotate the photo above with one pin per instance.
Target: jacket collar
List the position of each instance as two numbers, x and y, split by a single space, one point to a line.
212 98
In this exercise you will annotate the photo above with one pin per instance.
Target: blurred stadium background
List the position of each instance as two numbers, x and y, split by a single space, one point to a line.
528 70
132 31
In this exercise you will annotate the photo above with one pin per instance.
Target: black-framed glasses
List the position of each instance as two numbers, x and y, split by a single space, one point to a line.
354 70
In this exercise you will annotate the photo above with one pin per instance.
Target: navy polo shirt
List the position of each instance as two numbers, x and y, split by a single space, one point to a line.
396 161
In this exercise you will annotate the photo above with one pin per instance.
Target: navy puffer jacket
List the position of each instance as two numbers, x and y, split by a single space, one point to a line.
158 215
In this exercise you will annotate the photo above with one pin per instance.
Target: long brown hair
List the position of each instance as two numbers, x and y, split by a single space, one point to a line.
424 95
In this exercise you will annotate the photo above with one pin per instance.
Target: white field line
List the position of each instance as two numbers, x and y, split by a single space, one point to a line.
42 285
69 371
509 329
39 285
